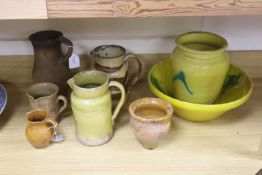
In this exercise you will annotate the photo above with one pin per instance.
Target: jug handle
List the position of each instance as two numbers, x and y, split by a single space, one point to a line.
71 82
53 123
69 46
137 75
121 101
63 107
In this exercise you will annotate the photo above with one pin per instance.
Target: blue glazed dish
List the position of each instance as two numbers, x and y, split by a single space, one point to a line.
3 98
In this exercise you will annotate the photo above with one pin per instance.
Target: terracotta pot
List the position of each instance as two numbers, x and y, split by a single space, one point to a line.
150 120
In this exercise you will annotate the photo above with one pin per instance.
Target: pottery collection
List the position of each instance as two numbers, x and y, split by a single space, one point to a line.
197 73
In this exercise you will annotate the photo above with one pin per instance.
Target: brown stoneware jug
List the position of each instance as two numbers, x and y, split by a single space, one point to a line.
113 60
50 65
40 128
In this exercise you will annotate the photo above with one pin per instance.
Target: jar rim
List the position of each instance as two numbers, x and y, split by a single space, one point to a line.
103 47
46 36
201 37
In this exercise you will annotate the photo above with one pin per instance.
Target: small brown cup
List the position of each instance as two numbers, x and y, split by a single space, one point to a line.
45 96
40 128
150 120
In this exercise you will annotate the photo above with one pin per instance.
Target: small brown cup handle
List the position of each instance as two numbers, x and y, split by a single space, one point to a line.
53 123
69 45
63 107
137 75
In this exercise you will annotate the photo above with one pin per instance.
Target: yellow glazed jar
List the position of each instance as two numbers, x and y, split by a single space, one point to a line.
200 64
92 106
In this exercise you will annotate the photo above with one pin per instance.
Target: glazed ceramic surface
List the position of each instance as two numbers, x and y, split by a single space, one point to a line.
3 98
40 128
45 96
92 106
200 64
150 120
50 65
236 90
113 60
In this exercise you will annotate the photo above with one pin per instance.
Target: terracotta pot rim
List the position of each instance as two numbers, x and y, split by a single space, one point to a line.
151 100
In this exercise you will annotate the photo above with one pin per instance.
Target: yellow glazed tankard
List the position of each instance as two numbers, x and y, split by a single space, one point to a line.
92 106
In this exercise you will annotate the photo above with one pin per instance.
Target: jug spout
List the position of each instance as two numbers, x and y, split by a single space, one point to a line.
71 82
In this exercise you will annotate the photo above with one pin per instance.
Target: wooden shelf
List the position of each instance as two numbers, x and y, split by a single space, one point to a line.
43 9
145 8
227 145
23 9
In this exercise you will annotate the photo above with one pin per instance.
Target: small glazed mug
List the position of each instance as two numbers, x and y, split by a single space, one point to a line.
40 128
113 60
150 120
45 96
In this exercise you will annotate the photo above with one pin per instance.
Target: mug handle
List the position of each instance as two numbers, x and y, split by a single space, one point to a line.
63 107
53 123
69 46
121 101
137 75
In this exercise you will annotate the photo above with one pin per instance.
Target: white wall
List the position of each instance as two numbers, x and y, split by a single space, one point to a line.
138 35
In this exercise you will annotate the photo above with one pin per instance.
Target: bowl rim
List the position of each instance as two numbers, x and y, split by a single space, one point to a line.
194 106
5 101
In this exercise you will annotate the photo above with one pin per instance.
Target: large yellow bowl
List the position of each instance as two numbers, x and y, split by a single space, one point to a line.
236 91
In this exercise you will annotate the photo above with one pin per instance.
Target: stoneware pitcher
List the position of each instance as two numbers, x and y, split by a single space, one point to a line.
45 96
200 64
50 65
92 106
113 60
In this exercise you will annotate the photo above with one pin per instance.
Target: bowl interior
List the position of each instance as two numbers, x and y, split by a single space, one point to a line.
237 85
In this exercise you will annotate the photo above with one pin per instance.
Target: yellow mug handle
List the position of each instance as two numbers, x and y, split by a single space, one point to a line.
122 99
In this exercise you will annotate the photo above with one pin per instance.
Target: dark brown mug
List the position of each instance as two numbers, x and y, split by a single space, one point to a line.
50 65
